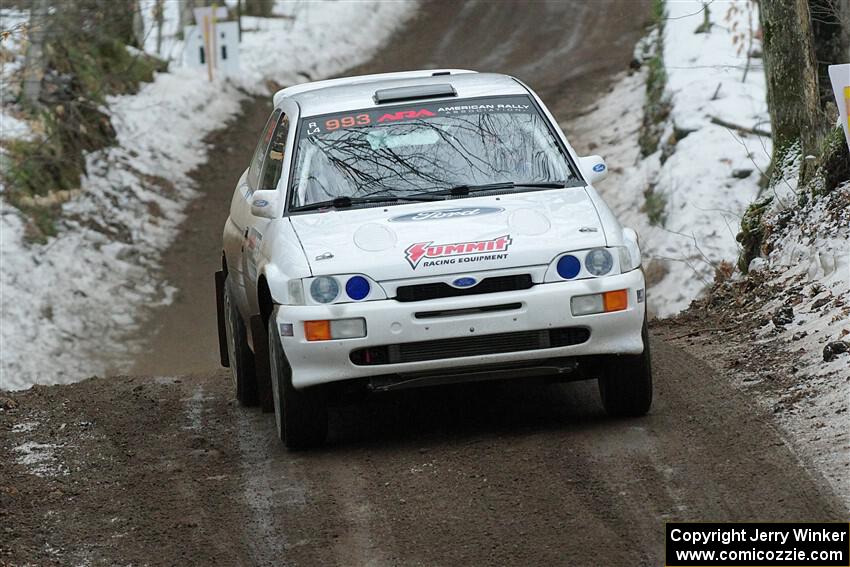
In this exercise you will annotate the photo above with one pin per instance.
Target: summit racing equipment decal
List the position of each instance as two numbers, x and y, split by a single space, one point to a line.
442 214
442 254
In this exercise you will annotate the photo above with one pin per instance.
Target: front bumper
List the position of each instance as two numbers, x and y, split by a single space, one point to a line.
542 307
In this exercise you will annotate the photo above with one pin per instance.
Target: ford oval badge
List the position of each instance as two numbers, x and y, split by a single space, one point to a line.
464 282
599 167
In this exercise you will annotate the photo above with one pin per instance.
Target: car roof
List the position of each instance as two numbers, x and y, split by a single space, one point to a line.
354 93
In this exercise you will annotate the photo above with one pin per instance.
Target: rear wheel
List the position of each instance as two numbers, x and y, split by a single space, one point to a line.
625 383
238 351
301 415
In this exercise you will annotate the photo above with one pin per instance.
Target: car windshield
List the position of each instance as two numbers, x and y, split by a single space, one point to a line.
424 150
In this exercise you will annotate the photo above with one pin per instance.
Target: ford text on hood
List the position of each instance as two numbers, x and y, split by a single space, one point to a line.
416 229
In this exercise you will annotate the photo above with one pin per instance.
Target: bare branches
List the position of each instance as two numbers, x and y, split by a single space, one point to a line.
697 13
738 128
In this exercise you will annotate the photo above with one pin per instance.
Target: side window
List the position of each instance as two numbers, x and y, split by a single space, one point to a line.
260 151
273 162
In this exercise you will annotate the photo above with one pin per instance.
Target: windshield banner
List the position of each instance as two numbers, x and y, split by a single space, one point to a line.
413 112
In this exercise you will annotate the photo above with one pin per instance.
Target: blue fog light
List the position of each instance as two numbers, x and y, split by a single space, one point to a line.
568 267
357 288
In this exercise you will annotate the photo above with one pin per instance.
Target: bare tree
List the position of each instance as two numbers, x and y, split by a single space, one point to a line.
159 19
185 17
34 61
138 25
790 67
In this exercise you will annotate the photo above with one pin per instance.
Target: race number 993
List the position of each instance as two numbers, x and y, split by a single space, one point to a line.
347 122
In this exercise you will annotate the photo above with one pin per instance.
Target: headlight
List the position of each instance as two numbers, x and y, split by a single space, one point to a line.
324 289
338 288
599 261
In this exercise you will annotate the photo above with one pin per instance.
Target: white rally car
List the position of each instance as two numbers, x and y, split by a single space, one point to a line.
418 228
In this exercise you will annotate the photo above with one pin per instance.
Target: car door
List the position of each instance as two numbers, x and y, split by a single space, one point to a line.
241 220
268 179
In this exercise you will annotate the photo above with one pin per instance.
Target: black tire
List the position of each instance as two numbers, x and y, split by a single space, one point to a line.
625 383
301 416
261 364
239 353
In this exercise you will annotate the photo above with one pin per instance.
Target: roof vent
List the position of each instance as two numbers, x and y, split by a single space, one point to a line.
399 94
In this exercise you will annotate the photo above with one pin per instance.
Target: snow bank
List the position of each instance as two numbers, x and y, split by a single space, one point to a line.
808 271
68 305
706 173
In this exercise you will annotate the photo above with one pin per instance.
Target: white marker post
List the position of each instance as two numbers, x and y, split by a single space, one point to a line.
206 18
840 77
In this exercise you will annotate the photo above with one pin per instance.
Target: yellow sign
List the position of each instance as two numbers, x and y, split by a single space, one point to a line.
847 105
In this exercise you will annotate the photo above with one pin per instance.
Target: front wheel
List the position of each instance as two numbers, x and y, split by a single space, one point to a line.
625 383
301 416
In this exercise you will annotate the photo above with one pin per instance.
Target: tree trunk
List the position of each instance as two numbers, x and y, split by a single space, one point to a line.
186 17
138 26
791 71
239 18
34 61
159 18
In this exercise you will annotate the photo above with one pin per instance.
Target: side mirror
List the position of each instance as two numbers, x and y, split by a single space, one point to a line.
594 168
264 204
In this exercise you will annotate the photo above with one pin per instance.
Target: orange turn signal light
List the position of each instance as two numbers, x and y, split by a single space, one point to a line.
317 330
615 300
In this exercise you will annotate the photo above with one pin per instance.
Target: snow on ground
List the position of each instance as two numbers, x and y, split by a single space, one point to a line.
68 305
700 182
809 265
40 459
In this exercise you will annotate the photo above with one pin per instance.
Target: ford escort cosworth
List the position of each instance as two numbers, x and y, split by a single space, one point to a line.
422 228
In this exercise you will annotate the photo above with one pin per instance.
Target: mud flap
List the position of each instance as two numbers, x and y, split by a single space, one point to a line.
220 277
262 369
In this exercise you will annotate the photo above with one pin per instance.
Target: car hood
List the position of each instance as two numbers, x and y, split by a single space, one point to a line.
452 237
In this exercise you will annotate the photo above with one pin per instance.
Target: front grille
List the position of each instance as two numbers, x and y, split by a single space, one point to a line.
469 346
424 292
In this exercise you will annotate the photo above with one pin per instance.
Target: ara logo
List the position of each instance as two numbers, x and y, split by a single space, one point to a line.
451 253
441 214
402 114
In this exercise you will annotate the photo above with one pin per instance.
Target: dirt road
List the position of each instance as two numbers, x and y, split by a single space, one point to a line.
170 472
167 470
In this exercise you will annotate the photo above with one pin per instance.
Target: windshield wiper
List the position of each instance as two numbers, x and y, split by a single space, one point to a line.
466 189
346 202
